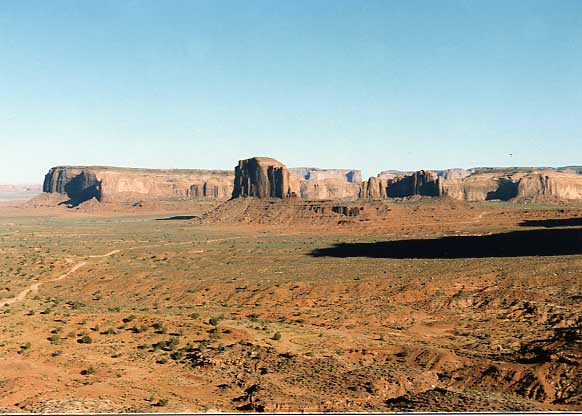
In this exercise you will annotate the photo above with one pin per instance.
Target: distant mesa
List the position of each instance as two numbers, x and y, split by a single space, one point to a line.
479 184
348 175
28 188
264 177
110 184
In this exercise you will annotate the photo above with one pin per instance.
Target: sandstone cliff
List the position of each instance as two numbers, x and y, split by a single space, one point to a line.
456 173
550 186
374 188
330 188
514 185
262 177
423 182
391 174
347 175
109 184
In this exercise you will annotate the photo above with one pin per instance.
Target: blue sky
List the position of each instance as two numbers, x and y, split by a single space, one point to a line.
357 84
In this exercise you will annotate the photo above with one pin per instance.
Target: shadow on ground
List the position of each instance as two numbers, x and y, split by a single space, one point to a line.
177 218
557 242
551 223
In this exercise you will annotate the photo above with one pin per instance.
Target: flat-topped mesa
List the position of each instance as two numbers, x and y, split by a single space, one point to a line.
317 174
262 177
455 173
111 184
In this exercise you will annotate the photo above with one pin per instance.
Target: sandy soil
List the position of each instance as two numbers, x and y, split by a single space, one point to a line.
416 305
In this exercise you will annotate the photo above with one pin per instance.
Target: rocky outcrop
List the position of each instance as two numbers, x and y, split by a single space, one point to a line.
330 188
456 173
481 187
514 185
110 184
392 174
262 177
316 174
423 182
550 186
374 188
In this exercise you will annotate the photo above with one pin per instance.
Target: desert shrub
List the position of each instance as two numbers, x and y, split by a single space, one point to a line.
128 318
85 339
160 328
277 336
54 339
162 402
88 371
168 345
75 304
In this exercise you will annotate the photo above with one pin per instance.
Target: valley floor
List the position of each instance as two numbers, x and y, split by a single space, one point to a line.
427 306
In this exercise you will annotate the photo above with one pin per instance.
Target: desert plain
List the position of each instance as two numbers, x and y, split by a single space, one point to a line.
290 305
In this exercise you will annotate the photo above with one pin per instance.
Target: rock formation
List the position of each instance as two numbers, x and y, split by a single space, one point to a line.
391 174
455 173
330 188
348 175
262 177
109 184
515 184
374 188
550 186
423 182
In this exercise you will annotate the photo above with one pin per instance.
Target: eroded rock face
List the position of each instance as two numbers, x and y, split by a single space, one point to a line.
109 184
456 173
554 185
329 189
316 174
514 185
374 188
423 182
262 177
392 174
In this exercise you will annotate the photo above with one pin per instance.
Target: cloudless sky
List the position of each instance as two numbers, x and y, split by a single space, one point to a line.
363 84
